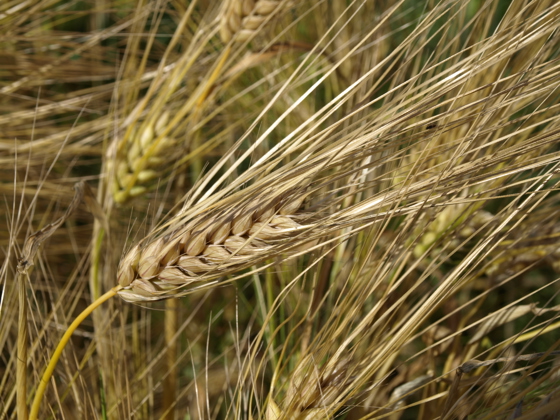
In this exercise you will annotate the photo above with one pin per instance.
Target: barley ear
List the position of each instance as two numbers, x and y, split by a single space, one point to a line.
138 158
193 253
240 19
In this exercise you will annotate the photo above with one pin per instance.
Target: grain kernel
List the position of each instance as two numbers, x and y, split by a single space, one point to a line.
196 244
242 224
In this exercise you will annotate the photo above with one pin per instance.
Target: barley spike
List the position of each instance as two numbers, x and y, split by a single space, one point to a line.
200 251
241 18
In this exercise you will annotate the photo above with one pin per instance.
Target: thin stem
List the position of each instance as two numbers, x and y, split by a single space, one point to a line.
170 382
21 373
266 321
63 341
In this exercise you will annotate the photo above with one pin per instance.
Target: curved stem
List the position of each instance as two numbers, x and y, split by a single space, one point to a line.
63 341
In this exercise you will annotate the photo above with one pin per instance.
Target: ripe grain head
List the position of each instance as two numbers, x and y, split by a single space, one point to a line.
192 254
240 19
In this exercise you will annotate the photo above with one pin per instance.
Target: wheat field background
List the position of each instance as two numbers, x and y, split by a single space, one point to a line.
284 209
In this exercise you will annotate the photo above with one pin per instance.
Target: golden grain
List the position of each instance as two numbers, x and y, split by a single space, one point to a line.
203 250
241 18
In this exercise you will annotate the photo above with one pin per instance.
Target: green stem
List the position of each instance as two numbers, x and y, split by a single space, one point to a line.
63 341
269 332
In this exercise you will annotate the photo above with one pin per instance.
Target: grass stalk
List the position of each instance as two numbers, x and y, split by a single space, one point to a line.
170 382
22 344
36 405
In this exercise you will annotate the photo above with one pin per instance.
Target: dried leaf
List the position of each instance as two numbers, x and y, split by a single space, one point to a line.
33 242
504 316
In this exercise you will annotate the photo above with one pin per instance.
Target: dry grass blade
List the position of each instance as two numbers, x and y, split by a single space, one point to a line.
33 242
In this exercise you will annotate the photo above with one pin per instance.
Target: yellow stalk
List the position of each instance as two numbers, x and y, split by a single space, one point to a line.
57 353
21 375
